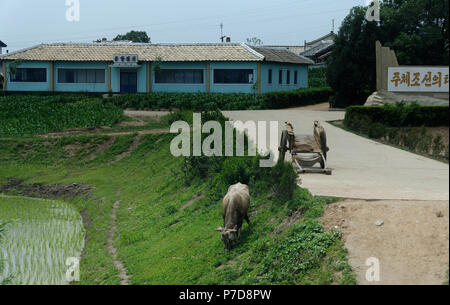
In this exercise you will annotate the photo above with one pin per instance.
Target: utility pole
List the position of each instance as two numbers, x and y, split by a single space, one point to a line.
332 29
221 32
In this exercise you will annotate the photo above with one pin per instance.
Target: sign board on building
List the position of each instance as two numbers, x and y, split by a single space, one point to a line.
125 59
418 79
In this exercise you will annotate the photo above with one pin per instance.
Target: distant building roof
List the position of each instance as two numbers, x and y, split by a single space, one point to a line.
329 36
154 52
2 44
292 48
272 54
319 49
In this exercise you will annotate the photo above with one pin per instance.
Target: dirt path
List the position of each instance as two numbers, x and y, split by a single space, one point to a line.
112 249
103 132
412 244
133 146
145 114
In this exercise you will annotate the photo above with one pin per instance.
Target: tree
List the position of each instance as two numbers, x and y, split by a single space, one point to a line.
134 36
352 66
417 30
254 41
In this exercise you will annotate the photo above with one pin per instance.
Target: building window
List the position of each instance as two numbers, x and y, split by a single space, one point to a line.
179 76
81 76
288 77
233 76
280 77
270 76
32 75
295 77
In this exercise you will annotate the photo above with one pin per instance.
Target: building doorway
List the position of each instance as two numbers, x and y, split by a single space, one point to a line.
128 81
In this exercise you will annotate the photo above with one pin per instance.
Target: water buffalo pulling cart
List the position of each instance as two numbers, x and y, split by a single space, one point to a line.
306 150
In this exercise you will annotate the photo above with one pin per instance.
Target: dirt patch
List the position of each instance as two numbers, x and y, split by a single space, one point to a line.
72 149
191 202
410 240
145 114
136 142
41 190
68 132
442 131
112 249
103 131
132 123
289 221
101 148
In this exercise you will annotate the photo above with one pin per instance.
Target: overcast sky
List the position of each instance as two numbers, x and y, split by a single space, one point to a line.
24 23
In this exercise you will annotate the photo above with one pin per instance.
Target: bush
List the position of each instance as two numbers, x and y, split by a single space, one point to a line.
317 77
438 145
411 138
400 115
377 131
303 97
223 101
284 180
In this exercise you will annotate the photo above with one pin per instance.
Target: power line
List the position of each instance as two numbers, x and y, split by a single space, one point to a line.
177 21
194 25
229 17
249 18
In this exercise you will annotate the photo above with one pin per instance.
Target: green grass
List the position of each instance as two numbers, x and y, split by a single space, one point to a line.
160 243
31 115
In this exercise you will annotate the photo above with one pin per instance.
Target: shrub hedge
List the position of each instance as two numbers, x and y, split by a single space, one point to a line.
399 115
223 101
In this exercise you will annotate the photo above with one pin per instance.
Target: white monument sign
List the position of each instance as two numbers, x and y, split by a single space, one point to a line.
418 79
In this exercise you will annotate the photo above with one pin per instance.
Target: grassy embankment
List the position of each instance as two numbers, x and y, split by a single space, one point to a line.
166 224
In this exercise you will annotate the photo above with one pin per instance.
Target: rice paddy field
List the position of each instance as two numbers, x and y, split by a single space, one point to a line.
37 239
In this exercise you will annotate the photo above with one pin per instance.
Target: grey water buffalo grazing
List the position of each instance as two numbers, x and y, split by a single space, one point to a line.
235 207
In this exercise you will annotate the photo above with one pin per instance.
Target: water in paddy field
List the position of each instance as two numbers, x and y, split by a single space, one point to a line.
37 239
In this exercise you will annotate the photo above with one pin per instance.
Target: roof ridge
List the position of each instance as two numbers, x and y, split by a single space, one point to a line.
253 51
20 51
120 43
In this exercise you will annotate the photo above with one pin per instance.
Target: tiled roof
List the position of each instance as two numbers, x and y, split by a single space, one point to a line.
329 36
281 55
2 44
292 48
145 52
155 52
319 49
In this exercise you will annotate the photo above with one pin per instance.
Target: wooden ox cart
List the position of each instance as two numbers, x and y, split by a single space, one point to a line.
306 150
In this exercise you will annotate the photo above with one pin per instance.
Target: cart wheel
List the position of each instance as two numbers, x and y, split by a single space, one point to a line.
283 145
322 162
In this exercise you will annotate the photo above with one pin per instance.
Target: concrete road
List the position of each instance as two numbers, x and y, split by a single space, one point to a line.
362 168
